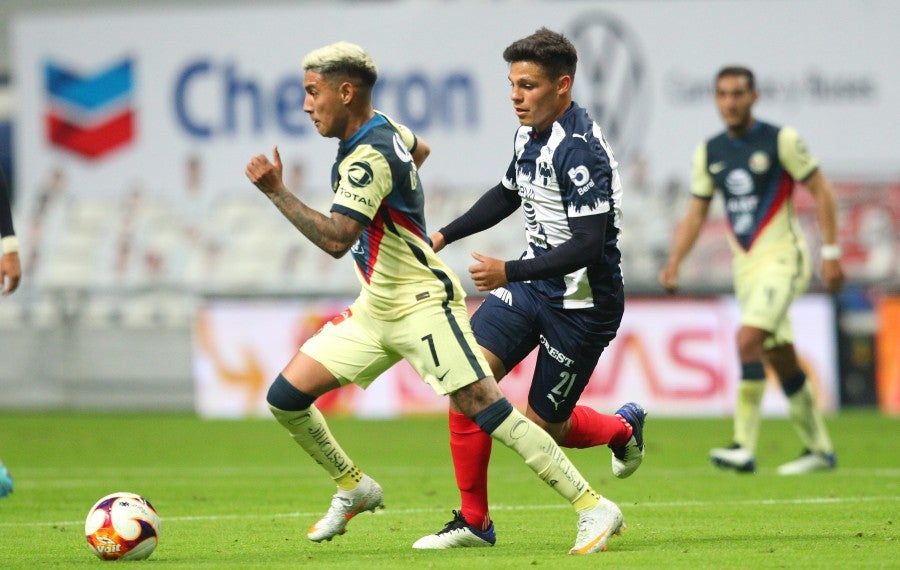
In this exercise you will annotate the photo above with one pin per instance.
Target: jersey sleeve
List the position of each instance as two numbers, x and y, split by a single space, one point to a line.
794 155
365 180
585 180
406 135
701 182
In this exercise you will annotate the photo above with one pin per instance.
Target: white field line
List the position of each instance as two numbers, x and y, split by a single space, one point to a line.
404 512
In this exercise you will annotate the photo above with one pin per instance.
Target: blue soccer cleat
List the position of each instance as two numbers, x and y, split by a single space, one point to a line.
627 458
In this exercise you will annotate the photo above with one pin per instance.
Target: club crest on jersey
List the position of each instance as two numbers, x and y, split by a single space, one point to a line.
360 174
544 171
759 162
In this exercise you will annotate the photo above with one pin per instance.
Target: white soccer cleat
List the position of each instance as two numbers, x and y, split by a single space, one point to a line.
457 534
735 457
627 458
596 525
809 462
345 505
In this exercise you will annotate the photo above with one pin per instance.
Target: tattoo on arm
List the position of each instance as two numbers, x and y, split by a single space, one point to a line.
334 235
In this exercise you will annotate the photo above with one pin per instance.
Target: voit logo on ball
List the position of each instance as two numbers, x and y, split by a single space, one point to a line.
90 115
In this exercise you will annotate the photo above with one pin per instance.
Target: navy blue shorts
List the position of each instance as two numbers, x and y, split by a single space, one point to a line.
514 319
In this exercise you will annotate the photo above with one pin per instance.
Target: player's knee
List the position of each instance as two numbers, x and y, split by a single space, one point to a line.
793 384
284 396
490 418
750 348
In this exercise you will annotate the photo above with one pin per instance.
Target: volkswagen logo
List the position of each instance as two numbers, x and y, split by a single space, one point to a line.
611 80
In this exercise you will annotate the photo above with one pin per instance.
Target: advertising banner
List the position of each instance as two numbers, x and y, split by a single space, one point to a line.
125 99
676 357
887 355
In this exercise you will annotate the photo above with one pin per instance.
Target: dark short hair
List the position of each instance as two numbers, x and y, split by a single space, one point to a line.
551 50
738 71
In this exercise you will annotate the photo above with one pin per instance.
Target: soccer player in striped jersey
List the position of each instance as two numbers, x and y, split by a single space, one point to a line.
755 166
411 305
565 294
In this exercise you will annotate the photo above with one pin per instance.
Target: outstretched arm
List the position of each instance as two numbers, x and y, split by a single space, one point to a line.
492 208
334 234
685 237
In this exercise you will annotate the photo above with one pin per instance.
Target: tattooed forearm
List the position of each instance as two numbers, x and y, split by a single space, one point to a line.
328 234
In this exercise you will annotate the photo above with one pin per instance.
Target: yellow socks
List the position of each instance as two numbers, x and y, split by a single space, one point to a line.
308 428
808 421
747 413
546 459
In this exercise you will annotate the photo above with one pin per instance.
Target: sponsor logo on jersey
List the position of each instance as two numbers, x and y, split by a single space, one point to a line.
90 114
739 182
360 174
717 167
581 178
352 196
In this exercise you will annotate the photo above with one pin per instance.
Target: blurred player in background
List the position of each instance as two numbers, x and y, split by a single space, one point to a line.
411 306
10 274
6 482
755 166
564 295
10 268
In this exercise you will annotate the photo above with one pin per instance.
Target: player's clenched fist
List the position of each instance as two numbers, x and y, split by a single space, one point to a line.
266 175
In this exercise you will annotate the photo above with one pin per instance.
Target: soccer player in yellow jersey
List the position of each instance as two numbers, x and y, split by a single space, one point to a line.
755 165
411 305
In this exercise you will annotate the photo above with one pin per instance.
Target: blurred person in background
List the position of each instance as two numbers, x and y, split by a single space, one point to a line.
755 166
411 306
10 275
10 267
564 296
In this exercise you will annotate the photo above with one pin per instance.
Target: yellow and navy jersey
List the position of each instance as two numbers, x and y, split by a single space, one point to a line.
756 175
376 183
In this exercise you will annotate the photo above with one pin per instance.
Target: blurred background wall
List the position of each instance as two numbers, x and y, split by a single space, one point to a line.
125 128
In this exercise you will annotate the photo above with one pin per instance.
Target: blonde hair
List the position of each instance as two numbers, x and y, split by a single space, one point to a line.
342 59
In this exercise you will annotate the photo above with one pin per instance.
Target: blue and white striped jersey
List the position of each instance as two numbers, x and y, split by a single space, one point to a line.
564 172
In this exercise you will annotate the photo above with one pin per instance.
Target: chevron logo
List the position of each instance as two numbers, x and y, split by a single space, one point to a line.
90 115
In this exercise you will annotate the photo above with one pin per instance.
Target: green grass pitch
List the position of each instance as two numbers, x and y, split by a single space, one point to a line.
240 494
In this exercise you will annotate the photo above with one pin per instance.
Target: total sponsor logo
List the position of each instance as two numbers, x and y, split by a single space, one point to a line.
90 114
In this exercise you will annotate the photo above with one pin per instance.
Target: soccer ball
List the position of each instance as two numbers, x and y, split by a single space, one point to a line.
122 526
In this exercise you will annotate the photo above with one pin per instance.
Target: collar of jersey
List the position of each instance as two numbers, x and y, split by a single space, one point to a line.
377 119
537 135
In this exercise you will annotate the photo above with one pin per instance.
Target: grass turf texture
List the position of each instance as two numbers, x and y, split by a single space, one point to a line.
240 494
